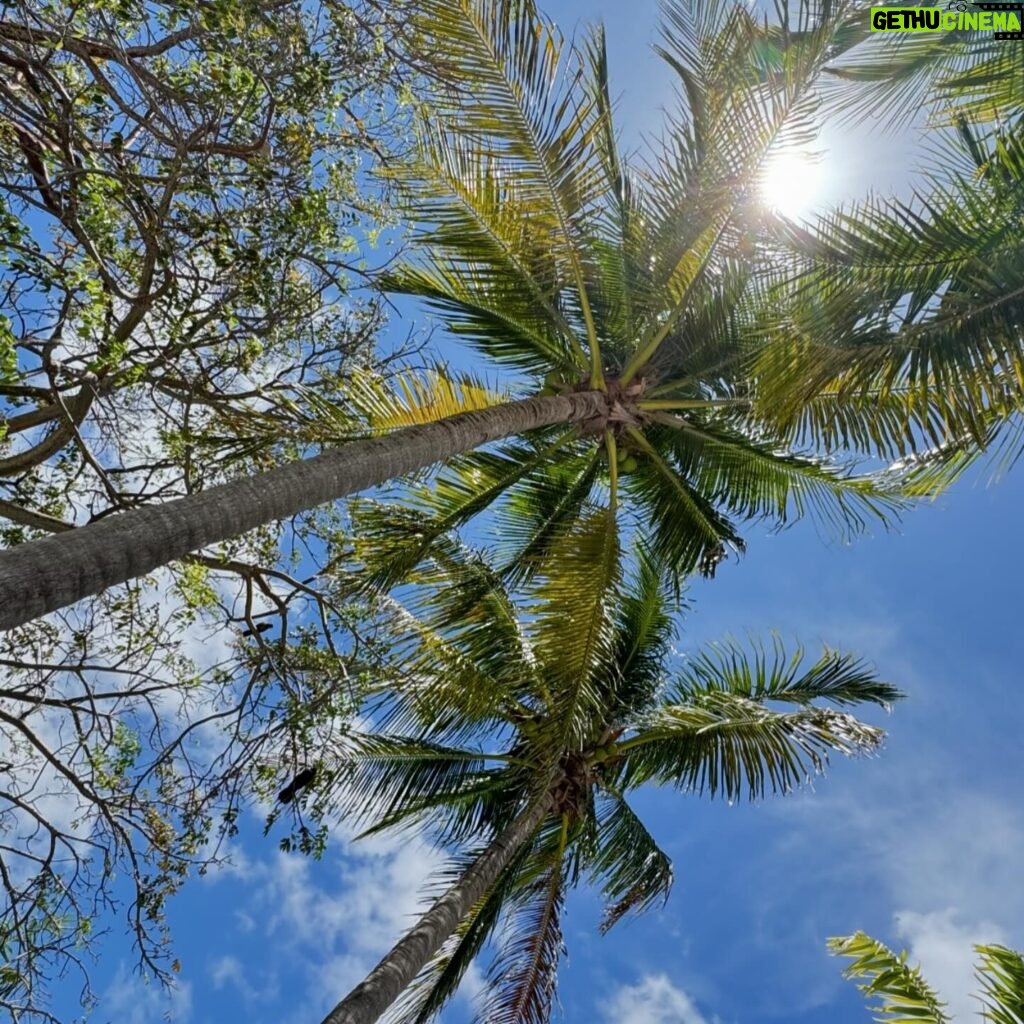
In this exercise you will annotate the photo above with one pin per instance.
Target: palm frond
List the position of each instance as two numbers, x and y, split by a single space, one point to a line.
389 541
537 514
747 89
758 479
408 399
890 77
644 627
569 623
621 267
707 347
523 981
904 997
459 659
517 322
687 531
531 123
632 870
893 424
734 747
773 675
906 316
390 781
1001 972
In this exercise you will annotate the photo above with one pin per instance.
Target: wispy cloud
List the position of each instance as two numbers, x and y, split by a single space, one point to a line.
132 999
919 861
255 987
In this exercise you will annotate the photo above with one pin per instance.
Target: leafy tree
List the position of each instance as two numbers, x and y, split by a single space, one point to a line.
181 218
631 290
126 765
904 996
514 734
178 217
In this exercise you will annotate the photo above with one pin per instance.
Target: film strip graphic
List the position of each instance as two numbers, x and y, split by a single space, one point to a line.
1001 5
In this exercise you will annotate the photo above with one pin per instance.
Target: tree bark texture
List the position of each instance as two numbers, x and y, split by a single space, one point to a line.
57 571
386 982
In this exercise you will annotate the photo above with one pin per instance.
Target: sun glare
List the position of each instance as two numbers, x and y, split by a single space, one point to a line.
791 183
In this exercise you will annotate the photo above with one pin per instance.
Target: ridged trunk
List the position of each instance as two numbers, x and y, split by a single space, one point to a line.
386 982
52 573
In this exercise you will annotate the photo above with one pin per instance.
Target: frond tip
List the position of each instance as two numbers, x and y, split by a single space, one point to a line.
906 998
716 731
1001 972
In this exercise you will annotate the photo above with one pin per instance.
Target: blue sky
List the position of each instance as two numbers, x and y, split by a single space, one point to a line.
919 846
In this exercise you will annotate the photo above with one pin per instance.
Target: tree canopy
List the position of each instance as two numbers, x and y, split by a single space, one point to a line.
183 219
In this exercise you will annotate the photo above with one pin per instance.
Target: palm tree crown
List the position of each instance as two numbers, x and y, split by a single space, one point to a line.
565 708
901 336
558 259
703 354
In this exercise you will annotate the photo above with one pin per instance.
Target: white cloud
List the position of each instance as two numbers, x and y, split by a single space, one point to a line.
474 984
379 898
906 839
944 949
921 845
959 852
653 1000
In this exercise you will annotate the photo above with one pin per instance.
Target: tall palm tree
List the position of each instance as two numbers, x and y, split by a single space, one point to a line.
904 995
516 734
631 291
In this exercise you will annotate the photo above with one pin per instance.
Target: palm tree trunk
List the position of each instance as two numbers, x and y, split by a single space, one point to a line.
48 574
383 985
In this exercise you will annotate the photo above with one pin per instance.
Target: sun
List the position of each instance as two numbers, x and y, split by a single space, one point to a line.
791 184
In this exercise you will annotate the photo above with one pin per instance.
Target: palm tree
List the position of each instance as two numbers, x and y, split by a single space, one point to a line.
632 292
516 734
904 995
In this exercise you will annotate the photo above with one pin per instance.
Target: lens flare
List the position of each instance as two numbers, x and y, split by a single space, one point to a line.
791 184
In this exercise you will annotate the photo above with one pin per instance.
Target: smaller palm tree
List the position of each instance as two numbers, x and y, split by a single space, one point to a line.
516 734
904 996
